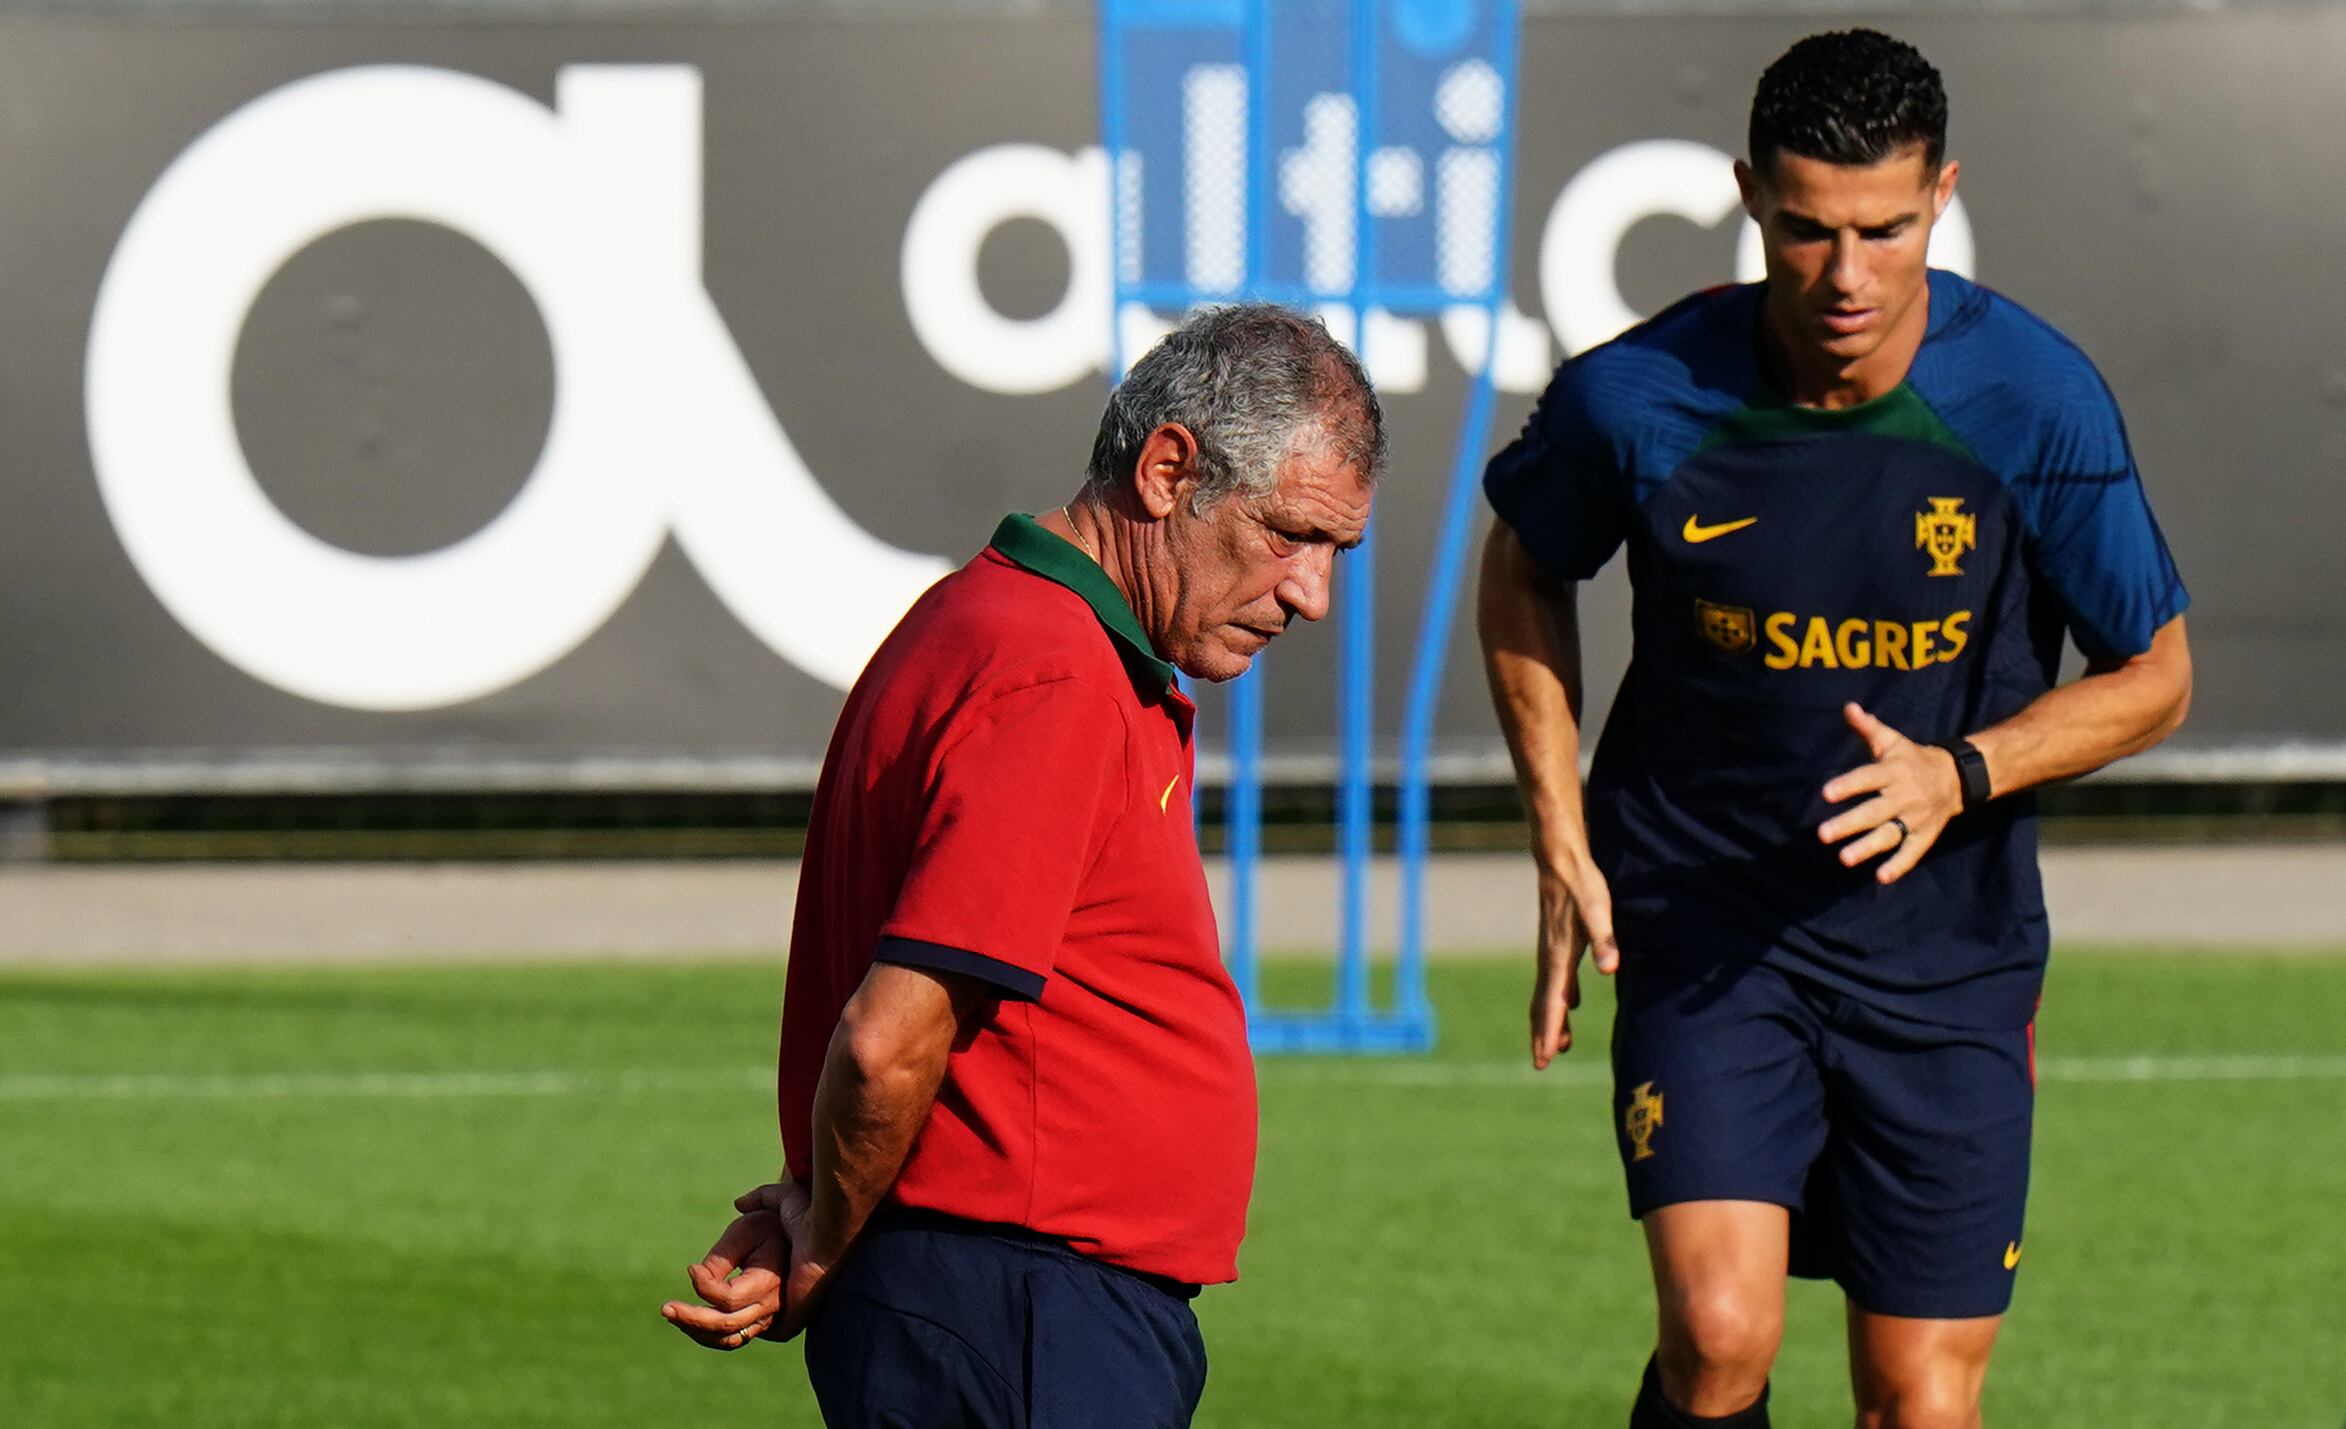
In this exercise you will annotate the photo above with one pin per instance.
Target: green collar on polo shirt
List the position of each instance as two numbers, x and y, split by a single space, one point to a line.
1031 545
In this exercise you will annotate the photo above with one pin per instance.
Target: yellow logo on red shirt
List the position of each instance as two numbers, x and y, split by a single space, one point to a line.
1166 797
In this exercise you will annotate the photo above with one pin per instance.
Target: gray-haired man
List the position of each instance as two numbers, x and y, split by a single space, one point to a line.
1016 1100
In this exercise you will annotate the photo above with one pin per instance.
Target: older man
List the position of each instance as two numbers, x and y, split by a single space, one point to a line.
1016 1099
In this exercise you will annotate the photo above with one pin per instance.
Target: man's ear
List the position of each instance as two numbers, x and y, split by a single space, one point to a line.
1943 192
1747 183
1167 470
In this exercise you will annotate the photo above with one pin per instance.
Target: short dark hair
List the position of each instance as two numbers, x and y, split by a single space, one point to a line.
1252 382
1849 97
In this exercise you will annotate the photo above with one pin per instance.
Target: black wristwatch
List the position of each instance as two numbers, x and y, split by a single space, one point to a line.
1971 768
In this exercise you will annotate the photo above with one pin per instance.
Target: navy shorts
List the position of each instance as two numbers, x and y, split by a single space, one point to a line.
1900 1147
935 1322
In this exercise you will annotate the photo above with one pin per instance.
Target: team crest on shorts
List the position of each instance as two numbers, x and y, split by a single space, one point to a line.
1946 531
1641 1120
1730 627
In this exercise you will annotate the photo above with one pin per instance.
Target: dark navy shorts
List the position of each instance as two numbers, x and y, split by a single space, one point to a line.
935 1322
1900 1147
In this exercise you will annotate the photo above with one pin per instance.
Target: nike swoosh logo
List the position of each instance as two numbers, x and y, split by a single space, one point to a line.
1696 533
1164 798
2012 1255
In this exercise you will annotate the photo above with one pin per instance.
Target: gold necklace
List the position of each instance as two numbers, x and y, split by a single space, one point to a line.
1081 542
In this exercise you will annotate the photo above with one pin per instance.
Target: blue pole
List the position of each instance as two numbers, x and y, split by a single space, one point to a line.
1433 646
1243 813
1243 821
1425 682
1355 810
1358 653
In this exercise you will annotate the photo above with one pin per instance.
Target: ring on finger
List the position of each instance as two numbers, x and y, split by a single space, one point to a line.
1904 833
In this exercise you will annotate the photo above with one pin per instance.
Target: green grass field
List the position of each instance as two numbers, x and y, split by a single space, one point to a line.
457 1196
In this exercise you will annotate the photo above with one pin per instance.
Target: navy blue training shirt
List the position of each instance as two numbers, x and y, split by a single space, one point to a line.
1923 554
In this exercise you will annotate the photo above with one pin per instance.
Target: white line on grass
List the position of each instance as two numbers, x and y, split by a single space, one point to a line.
2154 1068
269 1086
2144 1067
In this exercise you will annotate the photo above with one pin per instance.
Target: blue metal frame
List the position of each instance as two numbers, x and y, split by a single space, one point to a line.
1241 32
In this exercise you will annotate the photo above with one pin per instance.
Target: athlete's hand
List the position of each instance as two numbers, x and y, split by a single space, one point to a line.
1576 916
741 1281
1916 784
756 1280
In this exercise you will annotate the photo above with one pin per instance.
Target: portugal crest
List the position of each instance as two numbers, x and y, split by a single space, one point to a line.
1730 627
1641 1120
1946 532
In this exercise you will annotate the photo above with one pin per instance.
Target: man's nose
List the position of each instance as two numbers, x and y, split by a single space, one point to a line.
1304 589
1847 273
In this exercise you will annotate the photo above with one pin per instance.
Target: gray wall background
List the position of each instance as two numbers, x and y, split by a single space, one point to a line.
2166 188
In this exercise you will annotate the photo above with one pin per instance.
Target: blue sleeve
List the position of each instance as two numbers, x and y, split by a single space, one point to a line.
1559 485
2096 544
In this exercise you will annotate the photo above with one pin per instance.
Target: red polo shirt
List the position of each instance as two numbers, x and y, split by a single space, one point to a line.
1007 797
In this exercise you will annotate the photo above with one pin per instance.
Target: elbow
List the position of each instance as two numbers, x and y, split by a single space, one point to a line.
896 1033
869 1053
2175 645
2178 709
2174 709
884 1055
2161 679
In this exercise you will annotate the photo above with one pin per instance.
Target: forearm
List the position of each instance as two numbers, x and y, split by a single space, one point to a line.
1530 632
2111 712
880 1079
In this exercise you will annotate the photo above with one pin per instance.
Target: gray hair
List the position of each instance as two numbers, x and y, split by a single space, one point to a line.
1254 383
